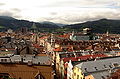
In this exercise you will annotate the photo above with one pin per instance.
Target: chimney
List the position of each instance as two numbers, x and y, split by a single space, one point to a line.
21 59
27 50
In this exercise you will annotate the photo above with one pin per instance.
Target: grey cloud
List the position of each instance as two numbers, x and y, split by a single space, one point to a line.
78 17
82 3
9 13
16 10
72 11
1 4
84 18
53 13
48 18
6 13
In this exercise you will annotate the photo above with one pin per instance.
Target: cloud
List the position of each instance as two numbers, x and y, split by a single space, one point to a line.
61 11
82 3
83 14
73 11
6 13
53 13
13 13
1 4
16 10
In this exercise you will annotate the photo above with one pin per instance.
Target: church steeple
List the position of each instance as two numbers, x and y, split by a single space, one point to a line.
33 27
107 33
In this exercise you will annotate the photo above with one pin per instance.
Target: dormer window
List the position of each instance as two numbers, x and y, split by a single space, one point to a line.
86 69
105 66
96 68
3 60
103 77
115 64
110 66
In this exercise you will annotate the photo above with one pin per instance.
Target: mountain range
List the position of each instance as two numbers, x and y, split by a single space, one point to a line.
98 26
51 23
7 22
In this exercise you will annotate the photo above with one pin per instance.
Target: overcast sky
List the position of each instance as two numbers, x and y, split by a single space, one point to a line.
61 11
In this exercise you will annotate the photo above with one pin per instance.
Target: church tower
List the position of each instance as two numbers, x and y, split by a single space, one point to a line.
52 41
34 28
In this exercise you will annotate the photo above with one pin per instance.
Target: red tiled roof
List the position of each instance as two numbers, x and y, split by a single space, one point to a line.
44 37
57 49
85 57
69 58
64 36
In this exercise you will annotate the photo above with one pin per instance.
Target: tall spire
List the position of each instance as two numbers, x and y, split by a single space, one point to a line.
107 33
34 26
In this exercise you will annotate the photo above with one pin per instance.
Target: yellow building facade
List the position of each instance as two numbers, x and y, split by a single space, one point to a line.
77 73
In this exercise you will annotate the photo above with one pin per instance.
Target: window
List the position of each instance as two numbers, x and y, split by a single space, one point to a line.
77 76
96 68
38 62
86 69
110 66
5 60
103 77
105 66
74 74
115 64
19 77
39 77
2 60
107 76
4 76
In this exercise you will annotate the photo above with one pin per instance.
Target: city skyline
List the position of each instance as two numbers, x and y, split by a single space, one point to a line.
60 11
